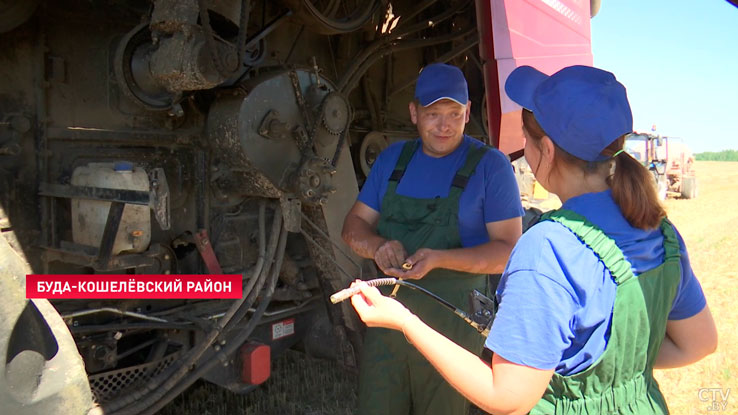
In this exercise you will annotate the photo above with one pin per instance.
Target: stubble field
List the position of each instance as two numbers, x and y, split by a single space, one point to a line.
709 224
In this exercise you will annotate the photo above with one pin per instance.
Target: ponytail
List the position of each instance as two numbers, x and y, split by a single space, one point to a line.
633 187
634 190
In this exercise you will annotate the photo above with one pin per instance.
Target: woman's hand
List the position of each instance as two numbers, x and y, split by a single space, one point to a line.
377 310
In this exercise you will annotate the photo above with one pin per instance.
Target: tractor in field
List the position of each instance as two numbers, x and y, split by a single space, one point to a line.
670 161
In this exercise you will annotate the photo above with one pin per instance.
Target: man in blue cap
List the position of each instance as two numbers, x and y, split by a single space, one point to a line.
444 210
597 294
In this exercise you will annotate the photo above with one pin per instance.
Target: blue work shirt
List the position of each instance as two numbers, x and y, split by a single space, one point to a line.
491 194
556 297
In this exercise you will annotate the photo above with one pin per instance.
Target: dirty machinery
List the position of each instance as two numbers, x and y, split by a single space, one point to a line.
670 161
195 137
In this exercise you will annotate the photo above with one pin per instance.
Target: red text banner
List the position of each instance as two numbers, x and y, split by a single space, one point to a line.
122 286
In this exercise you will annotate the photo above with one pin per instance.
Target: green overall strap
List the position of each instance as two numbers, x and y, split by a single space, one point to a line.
672 266
621 380
671 242
408 149
461 179
592 236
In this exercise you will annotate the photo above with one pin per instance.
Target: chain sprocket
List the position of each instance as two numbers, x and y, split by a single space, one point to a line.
335 113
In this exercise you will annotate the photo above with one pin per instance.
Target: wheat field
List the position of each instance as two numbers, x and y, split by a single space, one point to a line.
709 225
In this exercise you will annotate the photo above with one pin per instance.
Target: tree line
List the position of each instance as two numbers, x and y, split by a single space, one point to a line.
725 155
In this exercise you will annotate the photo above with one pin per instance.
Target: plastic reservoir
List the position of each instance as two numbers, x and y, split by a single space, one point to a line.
89 216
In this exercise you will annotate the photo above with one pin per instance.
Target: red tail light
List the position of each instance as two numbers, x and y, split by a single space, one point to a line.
255 363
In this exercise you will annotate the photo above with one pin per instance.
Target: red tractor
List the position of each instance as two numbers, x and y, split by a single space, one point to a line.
670 161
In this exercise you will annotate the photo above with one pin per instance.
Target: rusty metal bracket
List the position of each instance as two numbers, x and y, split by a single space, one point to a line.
133 197
204 246
115 214
292 214
299 98
303 140
159 197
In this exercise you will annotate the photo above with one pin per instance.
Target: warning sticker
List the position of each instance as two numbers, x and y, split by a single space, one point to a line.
283 329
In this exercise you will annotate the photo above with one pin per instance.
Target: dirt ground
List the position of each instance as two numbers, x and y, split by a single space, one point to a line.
709 225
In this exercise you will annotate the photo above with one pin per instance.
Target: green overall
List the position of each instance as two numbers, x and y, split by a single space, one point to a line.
395 378
621 380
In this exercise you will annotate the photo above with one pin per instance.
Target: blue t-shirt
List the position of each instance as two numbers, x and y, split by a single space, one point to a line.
491 194
556 297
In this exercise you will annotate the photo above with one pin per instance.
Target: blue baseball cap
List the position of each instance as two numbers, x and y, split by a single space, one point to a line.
439 81
581 108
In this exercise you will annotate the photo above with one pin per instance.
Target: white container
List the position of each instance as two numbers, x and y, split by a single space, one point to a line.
89 216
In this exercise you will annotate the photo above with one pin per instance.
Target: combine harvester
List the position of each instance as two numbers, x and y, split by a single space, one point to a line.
217 137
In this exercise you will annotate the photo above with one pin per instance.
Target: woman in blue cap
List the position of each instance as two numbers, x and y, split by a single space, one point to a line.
594 296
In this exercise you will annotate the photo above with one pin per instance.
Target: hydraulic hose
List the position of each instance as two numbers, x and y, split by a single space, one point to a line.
260 275
140 399
221 356
345 85
399 45
347 293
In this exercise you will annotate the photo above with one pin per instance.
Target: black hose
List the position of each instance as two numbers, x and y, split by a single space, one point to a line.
222 355
260 276
378 282
140 399
399 45
401 32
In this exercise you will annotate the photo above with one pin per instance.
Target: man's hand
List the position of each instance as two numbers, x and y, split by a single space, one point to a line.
422 262
389 255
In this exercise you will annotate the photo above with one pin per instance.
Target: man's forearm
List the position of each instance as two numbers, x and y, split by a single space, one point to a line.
360 236
488 258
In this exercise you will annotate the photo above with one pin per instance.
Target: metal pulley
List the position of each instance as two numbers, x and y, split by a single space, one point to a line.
132 71
174 53
282 136
372 144
335 113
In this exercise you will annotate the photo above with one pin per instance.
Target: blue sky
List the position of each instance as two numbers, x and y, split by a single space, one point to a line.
679 61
